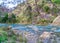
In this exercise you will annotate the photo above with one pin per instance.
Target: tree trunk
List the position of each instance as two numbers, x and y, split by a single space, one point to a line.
36 5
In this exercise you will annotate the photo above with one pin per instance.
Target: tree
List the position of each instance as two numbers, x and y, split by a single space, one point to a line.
5 18
0 19
12 19
55 4
36 6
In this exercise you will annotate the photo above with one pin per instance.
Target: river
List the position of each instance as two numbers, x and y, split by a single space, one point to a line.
26 28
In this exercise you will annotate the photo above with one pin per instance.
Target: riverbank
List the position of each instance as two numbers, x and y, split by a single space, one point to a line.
26 37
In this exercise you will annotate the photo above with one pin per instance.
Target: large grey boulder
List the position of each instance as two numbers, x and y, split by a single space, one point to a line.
56 21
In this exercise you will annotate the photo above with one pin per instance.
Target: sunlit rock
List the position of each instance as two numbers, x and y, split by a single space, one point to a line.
45 37
9 28
56 21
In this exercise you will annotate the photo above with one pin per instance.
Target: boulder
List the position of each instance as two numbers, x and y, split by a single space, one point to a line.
45 37
56 21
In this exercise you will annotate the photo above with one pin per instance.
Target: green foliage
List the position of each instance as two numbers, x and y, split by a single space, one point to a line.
13 18
44 20
29 8
0 19
22 40
55 10
46 8
56 1
5 38
43 2
5 18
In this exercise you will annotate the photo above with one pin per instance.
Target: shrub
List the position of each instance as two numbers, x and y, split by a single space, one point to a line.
56 1
5 18
46 8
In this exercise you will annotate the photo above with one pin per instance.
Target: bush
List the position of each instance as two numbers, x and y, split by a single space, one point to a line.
56 1
3 37
5 18
13 18
22 40
55 10
0 19
46 8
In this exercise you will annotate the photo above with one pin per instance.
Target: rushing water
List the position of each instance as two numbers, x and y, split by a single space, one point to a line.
31 29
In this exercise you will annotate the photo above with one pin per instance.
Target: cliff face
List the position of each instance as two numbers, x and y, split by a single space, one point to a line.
21 7
47 11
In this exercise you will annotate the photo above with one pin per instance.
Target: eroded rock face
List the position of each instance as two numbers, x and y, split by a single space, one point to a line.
56 21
